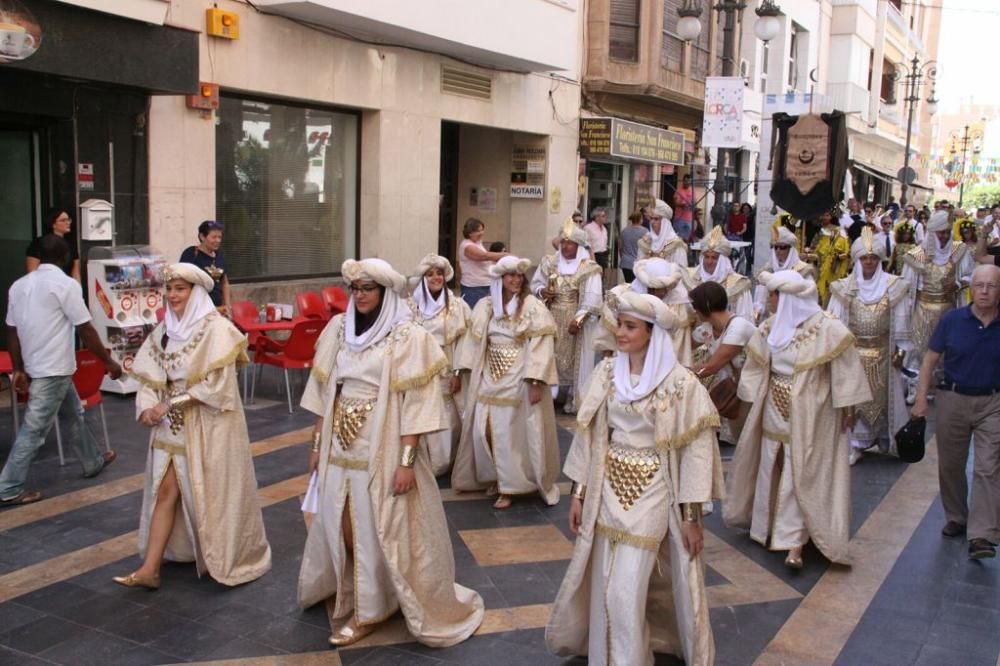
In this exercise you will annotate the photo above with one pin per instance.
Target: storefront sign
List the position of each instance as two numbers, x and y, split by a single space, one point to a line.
527 172
612 137
85 175
527 191
20 34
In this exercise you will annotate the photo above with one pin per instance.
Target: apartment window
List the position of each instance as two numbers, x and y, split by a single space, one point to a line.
888 91
765 51
871 67
624 30
701 49
286 188
898 4
672 51
793 58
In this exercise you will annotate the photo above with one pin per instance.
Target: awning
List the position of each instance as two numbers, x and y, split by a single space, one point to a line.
873 172
921 186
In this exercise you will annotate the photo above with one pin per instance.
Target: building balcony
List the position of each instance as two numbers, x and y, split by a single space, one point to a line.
539 36
850 98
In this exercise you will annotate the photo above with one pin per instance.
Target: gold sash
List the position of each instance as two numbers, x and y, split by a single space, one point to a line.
349 416
630 472
501 357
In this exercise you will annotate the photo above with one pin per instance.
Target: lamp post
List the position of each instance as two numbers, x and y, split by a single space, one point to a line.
914 77
689 28
973 138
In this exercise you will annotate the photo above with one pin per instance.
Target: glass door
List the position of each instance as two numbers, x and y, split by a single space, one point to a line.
17 206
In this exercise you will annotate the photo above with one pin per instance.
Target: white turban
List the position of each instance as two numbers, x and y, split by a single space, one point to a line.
940 252
507 264
938 221
391 311
663 209
199 305
428 305
660 357
796 302
656 273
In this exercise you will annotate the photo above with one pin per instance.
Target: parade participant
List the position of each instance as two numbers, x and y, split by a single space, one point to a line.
715 266
446 317
662 241
643 461
379 542
934 270
662 279
872 305
832 251
966 232
570 284
901 247
917 221
784 257
577 218
200 502
790 481
723 337
508 443
967 342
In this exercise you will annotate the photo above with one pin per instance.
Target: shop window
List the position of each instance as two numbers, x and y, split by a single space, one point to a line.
624 30
286 188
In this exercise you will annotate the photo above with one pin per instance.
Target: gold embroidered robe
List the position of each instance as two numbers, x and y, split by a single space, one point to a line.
828 377
218 464
934 290
737 291
674 250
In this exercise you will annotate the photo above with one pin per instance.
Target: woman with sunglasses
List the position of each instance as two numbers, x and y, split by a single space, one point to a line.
379 542
784 257
207 256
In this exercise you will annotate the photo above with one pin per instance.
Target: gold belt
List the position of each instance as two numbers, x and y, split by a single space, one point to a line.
780 390
874 341
630 472
925 297
349 416
500 358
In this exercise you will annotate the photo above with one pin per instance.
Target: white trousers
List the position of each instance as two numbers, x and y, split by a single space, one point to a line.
776 510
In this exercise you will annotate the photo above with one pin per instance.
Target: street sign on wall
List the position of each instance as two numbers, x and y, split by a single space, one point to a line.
613 137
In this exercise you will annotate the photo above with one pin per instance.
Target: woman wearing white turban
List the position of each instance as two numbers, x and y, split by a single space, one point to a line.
379 542
200 498
643 461
662 241
790 480
715 266
447 319
784 257
508 443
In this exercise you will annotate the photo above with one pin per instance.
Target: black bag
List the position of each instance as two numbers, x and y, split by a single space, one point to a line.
910 440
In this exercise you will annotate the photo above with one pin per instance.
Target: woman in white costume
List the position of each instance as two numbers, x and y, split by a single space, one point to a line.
643 461
446 317
784 257
200 498
662 241
790 481
714 266
508 443
379 542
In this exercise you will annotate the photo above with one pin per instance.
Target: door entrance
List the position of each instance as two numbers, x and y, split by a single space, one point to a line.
448 200
18 206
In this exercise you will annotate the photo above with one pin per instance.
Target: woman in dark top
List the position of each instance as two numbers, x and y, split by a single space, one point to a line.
57 221
207 256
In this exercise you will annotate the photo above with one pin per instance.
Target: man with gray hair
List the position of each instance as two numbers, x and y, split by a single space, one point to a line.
967 342
597 236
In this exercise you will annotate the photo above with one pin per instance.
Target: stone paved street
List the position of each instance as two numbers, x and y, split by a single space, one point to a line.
912 597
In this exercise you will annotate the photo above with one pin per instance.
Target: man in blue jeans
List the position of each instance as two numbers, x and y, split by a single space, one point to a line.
44 308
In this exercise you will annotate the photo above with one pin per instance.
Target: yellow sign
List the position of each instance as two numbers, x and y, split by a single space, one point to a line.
613 137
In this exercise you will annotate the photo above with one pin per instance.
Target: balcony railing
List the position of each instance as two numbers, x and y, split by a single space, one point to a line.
850 98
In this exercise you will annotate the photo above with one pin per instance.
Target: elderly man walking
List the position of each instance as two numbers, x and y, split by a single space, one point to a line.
967 339
44 308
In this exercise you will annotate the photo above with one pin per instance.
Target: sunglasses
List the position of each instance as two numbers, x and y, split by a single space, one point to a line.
782 247
212 224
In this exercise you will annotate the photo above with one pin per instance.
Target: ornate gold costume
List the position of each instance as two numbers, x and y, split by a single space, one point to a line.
936 293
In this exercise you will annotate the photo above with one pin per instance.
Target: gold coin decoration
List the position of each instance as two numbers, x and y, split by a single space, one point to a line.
630 472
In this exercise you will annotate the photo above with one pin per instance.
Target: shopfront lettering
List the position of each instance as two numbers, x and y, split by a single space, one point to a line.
612 137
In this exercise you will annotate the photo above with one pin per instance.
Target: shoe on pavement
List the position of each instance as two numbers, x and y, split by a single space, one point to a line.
107 458
854 456
980 549
952 529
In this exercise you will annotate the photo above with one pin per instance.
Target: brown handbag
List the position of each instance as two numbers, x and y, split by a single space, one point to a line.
725 398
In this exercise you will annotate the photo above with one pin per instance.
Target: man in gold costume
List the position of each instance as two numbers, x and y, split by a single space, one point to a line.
784 257
569 283
832 251
872 304
714 266
935 271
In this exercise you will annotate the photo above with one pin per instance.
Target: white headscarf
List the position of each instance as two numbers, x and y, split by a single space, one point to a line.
569 266
656 273
796 303
940 253
427 304
199 305
722 269
784 237
508 264
667 233
871 291
660 356
392 311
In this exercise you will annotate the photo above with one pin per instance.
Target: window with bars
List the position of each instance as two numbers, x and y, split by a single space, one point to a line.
701 63
672 50
793 58
624 30
765 51
286 188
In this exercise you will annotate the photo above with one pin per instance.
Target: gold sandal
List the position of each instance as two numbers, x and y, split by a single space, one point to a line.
132 580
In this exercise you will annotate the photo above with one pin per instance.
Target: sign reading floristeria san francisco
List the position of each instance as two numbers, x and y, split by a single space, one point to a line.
612 137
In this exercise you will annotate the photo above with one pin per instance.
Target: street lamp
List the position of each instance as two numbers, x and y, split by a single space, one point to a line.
915 76
689 28
974 138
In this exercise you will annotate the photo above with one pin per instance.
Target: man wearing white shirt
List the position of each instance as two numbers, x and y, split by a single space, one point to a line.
597 236
885 237
919 230
44 308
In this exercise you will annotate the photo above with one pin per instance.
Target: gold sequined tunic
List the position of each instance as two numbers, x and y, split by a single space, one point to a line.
937 292
870 325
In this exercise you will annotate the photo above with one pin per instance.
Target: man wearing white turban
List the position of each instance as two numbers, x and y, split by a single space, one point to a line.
643 462
569 283
790 481
935 270
662 241
715 266
784 257
872 304
379 543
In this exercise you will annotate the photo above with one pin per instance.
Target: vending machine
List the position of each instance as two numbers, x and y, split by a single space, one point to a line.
124 284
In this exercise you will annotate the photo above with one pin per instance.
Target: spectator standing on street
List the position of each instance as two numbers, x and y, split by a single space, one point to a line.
630 244
967 341
57 222
207 256
684 209
597 236
45 307
474 261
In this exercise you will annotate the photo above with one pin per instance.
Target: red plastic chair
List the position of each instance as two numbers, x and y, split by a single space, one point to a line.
311 306
295 353
246 312
160 314
335 299
87 379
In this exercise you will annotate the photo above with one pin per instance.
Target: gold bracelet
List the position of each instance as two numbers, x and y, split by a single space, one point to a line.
180 401
316 440
692 513
578 490
535 382
408 456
